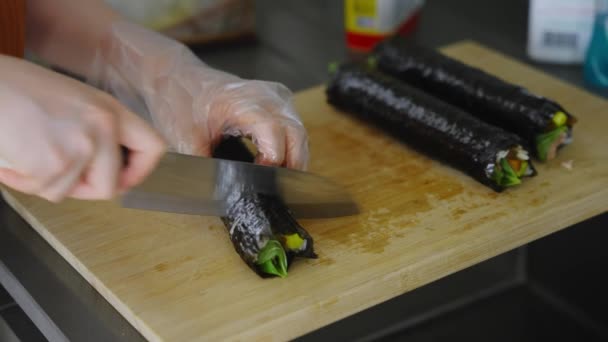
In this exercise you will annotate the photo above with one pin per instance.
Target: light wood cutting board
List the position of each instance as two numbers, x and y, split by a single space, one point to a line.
177 278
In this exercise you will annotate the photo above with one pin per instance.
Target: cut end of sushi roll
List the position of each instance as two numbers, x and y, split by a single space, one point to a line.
272 259
511 166
558 134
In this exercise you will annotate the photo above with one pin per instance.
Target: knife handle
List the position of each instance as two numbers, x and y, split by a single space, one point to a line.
124 155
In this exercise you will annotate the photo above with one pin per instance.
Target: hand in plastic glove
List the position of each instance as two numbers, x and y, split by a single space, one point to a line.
194 105
61 137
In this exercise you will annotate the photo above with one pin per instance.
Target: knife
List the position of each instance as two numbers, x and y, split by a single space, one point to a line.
200 186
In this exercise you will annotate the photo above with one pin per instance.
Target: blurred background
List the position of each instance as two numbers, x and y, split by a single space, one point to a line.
293 41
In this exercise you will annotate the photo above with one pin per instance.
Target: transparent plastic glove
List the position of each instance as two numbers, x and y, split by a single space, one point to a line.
194 105
60 137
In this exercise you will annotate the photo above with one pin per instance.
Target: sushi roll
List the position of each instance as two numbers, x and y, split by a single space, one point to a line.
489 154
262 229
544 125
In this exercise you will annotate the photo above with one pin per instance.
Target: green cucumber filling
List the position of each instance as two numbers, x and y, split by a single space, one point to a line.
272 259
511 166
548 143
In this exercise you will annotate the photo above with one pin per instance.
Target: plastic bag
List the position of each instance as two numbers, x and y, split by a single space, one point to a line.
192 21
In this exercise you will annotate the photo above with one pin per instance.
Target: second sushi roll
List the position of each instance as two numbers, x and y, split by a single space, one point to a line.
487 153
544 125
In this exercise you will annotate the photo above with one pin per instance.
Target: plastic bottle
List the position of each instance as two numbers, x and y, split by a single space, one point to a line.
596 62
367 22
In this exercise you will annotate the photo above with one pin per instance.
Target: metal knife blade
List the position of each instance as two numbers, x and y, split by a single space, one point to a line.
197 185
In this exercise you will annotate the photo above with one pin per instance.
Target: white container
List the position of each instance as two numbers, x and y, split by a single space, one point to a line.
559 31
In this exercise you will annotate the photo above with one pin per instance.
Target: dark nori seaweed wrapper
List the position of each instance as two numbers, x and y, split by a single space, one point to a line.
438 129
257 216
489 98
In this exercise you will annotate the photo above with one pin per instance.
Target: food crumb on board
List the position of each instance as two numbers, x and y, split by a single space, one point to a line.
568 164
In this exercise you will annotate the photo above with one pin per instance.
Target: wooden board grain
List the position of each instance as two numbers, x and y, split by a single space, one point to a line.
177 278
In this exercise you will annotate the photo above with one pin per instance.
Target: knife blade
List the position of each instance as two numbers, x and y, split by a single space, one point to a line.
200 186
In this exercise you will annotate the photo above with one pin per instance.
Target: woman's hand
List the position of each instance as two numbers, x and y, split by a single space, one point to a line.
194 105
62 137
200 106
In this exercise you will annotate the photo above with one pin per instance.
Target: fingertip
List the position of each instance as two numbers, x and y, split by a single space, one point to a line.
144 156
17 181
270 141
141 165
297 157
160 146
122 190
53 199
81 192
129 179
6 175
297 164
261 159
3 176
87 192
296 151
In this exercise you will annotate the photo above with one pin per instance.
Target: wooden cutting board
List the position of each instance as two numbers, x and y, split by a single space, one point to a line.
177 278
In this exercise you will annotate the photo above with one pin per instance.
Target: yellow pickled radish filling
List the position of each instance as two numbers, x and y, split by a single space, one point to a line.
560 118
294 242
